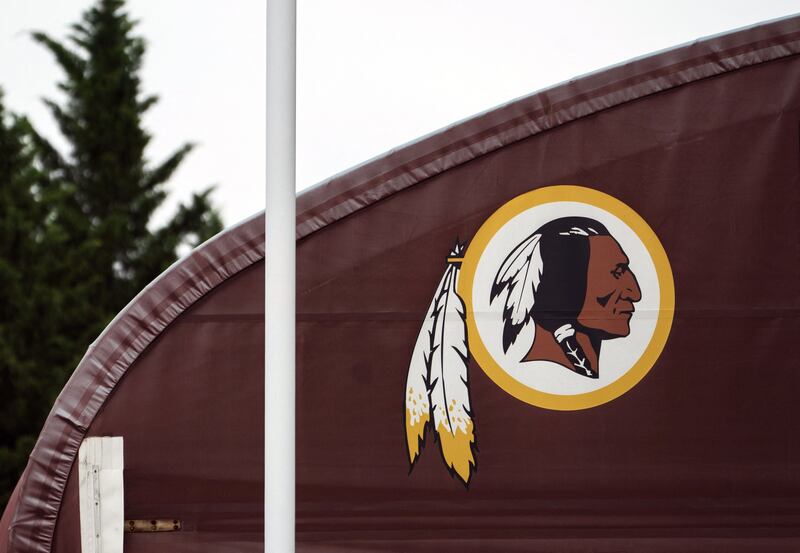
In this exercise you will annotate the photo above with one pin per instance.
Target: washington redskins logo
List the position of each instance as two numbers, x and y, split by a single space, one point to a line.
564 297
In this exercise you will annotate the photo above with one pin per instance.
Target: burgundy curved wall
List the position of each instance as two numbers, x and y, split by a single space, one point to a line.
190 410
702 455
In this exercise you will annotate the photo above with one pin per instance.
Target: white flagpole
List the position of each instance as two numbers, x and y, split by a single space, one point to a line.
279 439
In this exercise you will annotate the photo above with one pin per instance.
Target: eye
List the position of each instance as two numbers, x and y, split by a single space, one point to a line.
618 271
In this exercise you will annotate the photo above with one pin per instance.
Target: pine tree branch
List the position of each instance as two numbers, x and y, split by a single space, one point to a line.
66 122
163 172
50 157
147 103
198 218
73 64
194 222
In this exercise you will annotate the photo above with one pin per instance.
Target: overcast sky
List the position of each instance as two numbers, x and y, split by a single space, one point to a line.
372 74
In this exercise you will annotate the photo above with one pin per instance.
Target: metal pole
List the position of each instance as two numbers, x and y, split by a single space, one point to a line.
279 382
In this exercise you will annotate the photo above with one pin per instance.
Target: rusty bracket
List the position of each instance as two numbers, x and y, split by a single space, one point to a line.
152 525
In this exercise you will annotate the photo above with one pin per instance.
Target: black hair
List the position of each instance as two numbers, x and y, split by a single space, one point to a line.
564 247
553 263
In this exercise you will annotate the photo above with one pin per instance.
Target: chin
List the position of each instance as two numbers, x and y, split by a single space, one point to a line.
620 331
609 332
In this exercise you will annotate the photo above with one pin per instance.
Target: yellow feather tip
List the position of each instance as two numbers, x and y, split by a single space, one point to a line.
457 450
415 431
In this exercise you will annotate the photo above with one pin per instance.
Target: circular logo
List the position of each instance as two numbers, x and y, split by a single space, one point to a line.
569 297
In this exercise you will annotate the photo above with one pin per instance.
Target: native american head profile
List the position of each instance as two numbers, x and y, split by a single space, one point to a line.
572 280
546 284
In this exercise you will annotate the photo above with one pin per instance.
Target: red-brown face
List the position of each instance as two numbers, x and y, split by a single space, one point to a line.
611 289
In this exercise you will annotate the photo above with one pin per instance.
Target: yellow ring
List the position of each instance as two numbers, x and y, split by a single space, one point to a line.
569 193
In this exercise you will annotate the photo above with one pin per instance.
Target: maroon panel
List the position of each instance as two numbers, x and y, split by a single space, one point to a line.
702 455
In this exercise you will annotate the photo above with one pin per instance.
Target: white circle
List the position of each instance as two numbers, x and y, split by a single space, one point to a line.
617 356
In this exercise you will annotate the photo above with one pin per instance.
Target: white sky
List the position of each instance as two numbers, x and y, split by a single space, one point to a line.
372 74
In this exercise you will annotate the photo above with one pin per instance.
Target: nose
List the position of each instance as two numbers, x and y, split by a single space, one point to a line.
630 287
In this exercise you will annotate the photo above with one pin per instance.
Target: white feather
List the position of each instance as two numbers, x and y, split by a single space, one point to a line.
524 283
516 259
519 276
417 401
449 390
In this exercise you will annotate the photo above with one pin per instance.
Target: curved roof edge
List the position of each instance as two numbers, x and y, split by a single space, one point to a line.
400 168
42 486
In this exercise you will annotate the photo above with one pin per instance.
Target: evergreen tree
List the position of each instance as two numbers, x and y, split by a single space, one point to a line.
114 191
28 344
76 242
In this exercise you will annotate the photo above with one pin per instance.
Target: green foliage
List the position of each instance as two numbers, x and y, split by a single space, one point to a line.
113 187
76 238
26 347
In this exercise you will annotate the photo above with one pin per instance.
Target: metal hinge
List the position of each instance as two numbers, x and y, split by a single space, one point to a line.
152 525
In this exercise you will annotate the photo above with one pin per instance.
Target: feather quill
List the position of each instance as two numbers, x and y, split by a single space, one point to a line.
519 276
449 388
